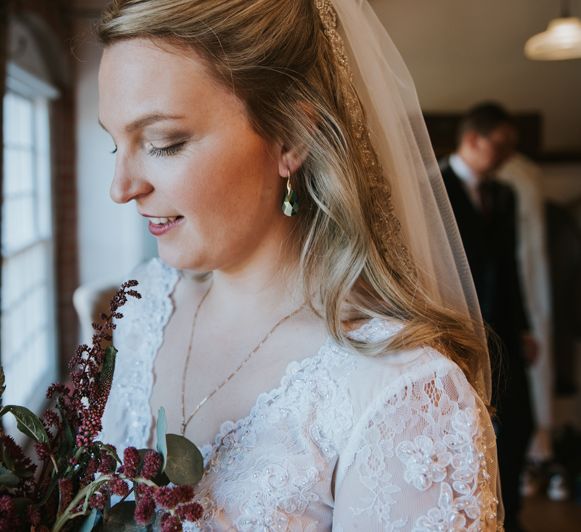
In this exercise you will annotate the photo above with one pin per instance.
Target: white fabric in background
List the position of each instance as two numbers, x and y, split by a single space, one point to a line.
525 178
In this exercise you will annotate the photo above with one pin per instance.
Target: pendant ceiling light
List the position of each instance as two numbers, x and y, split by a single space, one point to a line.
561 40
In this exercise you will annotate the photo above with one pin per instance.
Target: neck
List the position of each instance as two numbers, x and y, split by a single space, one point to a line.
265 281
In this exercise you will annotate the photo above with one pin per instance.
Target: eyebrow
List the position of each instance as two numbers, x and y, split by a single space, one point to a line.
147 120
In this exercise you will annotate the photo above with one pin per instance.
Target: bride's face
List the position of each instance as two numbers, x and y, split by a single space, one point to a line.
185 148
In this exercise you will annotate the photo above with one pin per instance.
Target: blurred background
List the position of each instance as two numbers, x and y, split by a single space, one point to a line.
65 243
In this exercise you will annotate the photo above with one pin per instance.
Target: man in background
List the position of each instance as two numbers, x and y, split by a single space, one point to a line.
485 210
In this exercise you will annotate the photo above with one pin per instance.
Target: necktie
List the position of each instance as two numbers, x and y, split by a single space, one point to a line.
485 197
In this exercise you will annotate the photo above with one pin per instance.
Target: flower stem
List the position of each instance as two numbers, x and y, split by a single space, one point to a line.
85 493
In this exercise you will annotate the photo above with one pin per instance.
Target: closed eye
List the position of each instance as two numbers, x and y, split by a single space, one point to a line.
166 151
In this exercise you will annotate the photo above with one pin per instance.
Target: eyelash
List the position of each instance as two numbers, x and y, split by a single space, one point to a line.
167 151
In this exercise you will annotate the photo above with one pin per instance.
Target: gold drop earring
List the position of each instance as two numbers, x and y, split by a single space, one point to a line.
290 203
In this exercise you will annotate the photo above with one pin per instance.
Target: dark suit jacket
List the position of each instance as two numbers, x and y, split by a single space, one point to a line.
490 243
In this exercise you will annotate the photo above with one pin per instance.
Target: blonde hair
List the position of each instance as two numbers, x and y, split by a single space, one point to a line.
275 56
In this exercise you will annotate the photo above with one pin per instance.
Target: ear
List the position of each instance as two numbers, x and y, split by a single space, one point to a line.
291 159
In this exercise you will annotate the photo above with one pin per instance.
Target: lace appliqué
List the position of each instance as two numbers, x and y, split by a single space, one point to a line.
461 451
271 465
453 447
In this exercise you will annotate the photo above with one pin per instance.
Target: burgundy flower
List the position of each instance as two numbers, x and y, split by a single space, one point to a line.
152 463
97 501
118 487
170 523
166 497
66 492
130 462
183 494
144 511
55 389
34 515
8 518
144 491
190 512
107 464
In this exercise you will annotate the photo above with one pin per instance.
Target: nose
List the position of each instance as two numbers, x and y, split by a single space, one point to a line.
128 182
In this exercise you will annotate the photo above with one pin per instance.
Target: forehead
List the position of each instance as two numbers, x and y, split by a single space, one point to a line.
138 76
504 132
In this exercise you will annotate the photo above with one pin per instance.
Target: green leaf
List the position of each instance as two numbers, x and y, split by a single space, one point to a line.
160 431
185 464
108 368
8 478
120 519
28 423
2 381
90 521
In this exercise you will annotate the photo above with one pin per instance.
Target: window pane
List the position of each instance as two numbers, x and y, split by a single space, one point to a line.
18 171
19 120
27 370
11 127
23 272
17 222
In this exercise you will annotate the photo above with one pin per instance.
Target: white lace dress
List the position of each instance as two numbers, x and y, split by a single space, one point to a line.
345 442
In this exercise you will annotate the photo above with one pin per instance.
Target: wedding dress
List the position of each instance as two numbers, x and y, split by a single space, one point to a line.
344 442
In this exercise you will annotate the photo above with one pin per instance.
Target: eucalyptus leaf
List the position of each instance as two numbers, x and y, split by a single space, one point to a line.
8 478
161 479
120 519
28 423
185 464
160 431
90 522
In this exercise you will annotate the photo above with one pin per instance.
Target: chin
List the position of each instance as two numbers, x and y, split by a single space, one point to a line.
182 261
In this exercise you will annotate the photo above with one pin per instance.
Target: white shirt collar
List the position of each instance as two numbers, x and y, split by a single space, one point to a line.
469 179
463 171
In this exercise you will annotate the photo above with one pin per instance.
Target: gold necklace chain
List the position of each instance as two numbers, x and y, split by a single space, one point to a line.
186 422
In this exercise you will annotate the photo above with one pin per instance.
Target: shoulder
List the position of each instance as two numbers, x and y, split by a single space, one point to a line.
446 169
419 432
385 375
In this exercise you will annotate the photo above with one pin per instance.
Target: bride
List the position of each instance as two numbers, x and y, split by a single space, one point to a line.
310 322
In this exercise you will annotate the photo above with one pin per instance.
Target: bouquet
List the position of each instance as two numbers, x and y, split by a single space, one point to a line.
72 481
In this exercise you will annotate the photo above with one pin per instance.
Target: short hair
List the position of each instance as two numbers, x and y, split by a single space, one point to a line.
484 118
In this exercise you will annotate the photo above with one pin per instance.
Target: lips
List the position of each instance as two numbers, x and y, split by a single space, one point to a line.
160 225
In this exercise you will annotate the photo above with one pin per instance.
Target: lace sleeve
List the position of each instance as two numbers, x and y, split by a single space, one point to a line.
422 458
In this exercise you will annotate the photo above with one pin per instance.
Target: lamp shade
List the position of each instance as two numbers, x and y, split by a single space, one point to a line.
561 40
